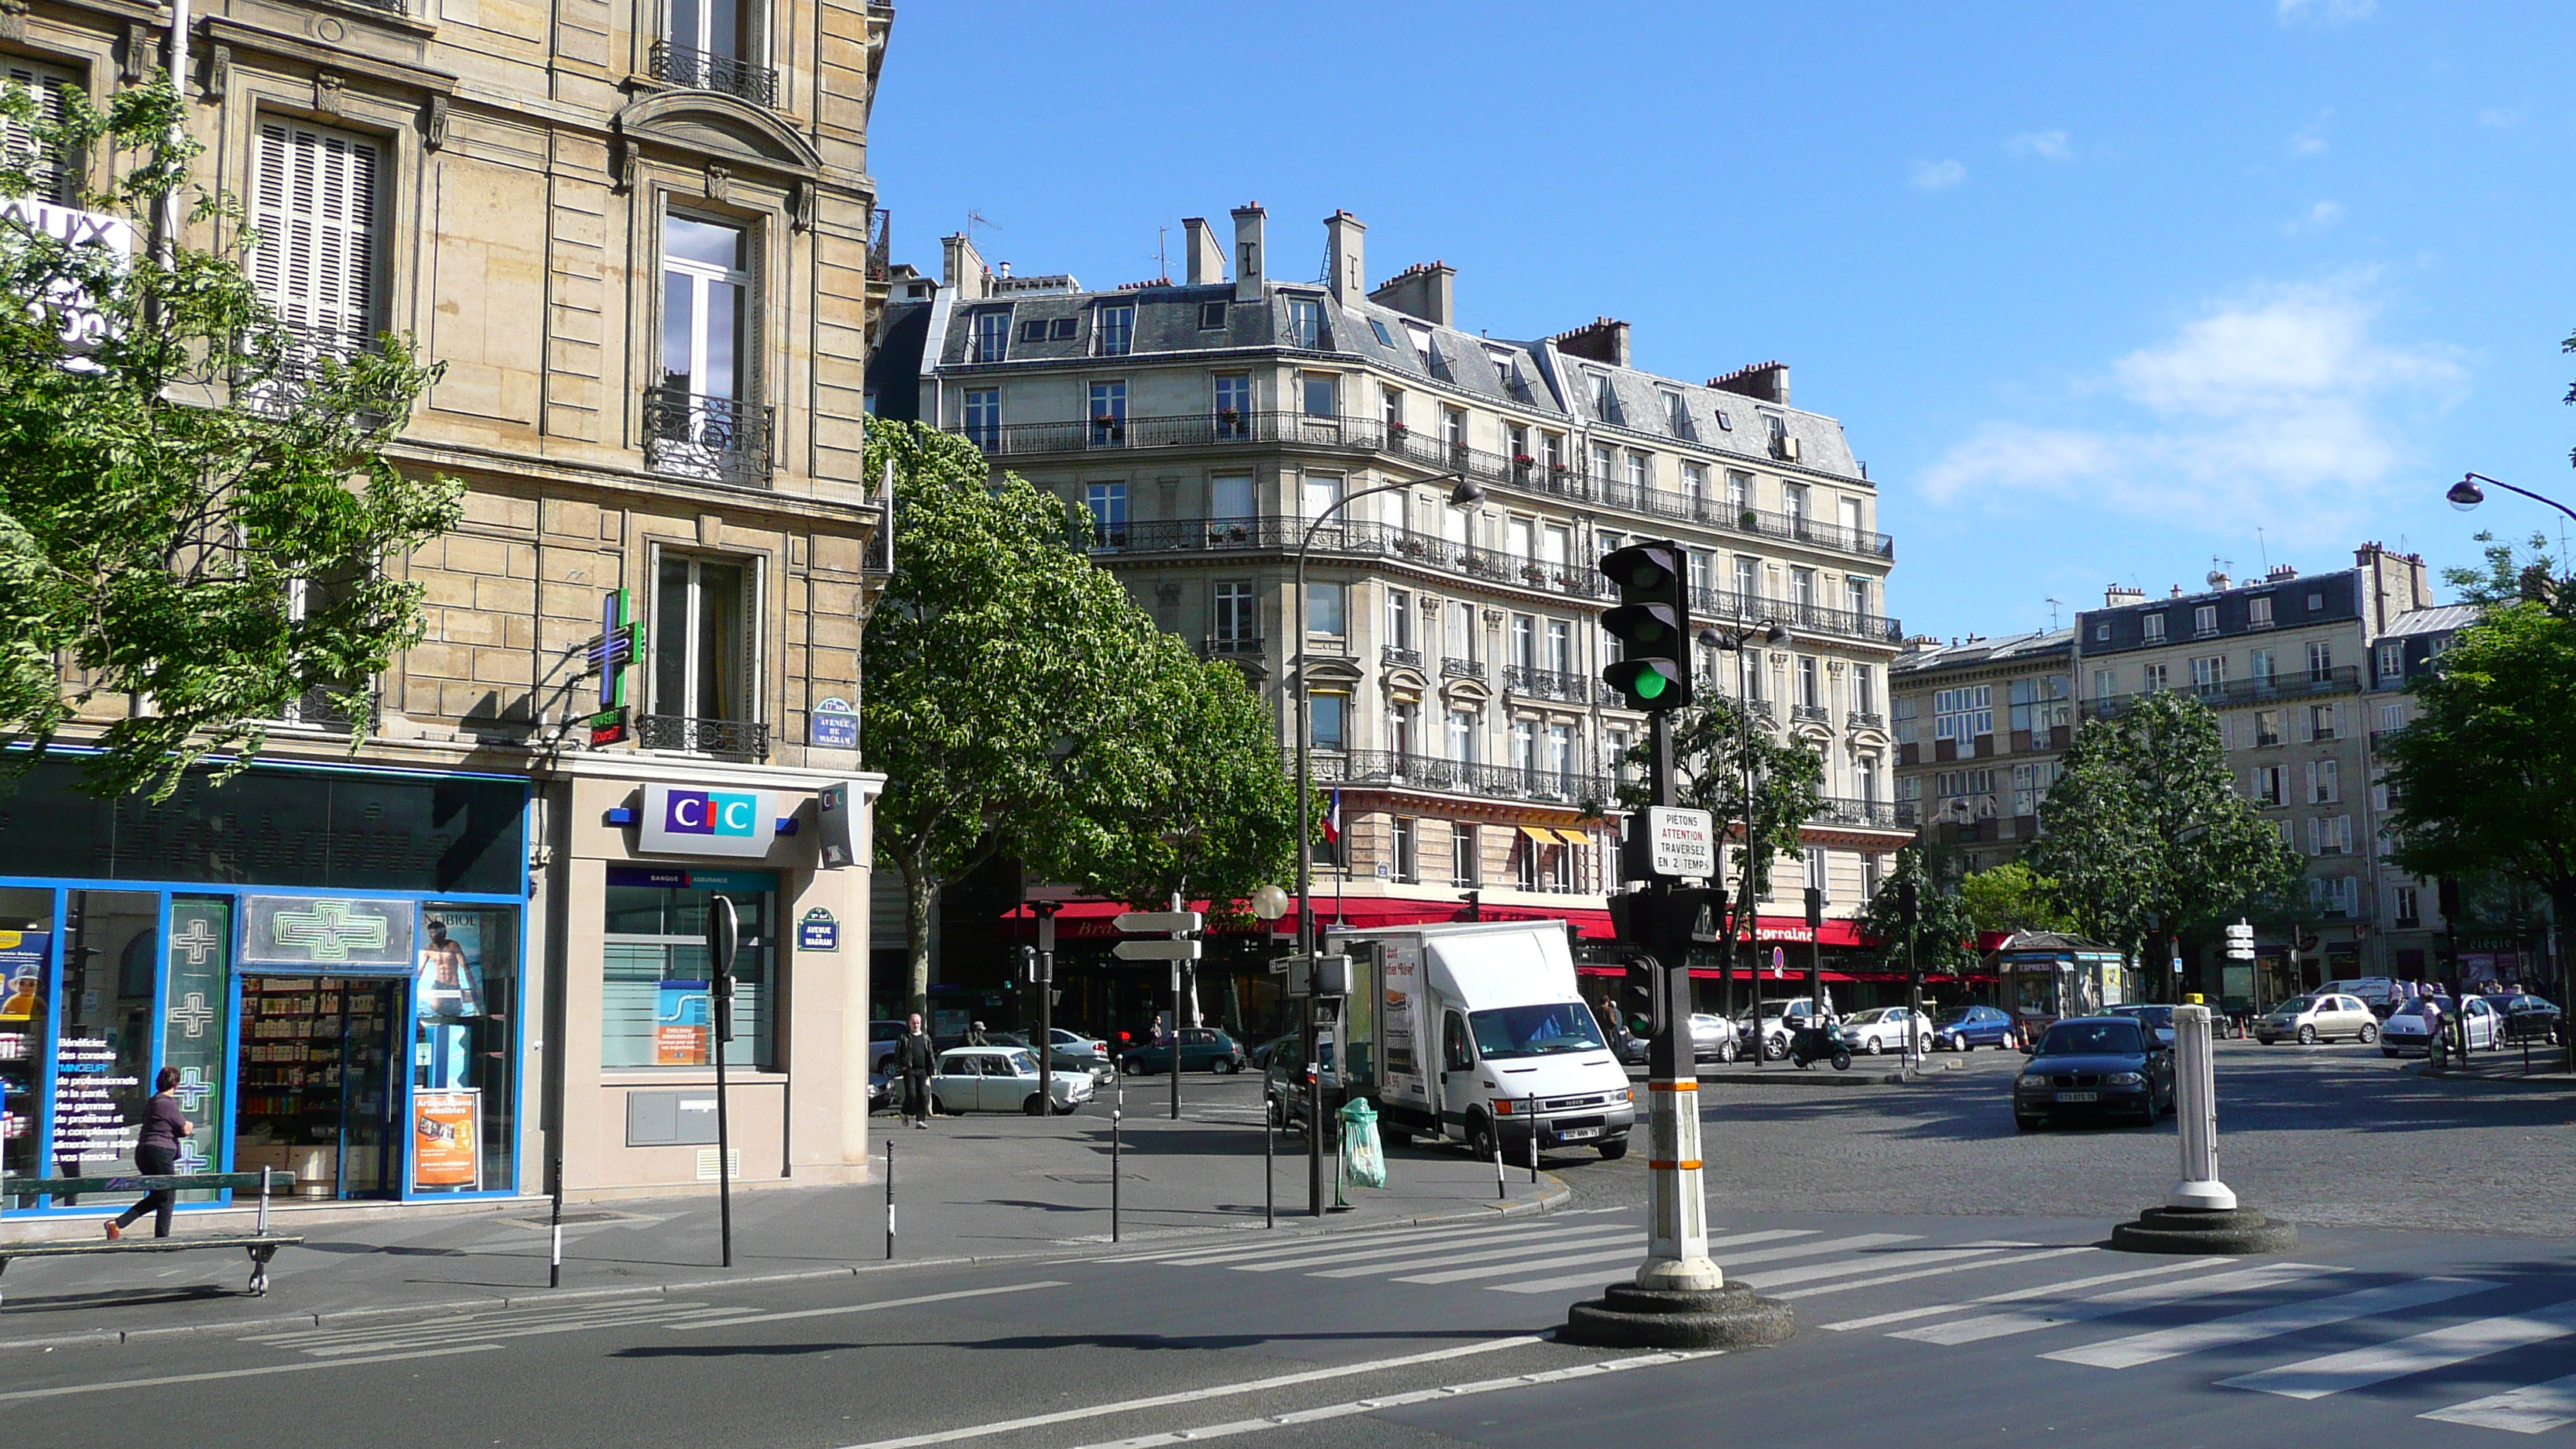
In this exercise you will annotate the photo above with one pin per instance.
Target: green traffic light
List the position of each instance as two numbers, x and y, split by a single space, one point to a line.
1648 684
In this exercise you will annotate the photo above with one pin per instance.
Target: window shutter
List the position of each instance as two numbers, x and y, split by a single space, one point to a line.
2339 724
54 175
2307 726
2312 835
314 197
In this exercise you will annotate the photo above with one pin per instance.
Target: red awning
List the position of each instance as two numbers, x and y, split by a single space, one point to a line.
1091 920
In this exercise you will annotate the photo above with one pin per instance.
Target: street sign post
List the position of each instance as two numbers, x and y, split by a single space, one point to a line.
724 942
1680 844
1178 944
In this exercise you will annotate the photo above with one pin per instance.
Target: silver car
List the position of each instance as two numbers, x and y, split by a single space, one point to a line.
1001 1079
1885 1029
1713 1038
2322 1016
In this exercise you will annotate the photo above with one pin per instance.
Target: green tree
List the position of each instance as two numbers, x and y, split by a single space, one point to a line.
2012 897
995 638
1944 937
2146 837
1715 744
196 509
2484 779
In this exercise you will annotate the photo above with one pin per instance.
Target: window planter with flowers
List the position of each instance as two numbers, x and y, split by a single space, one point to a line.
1108 428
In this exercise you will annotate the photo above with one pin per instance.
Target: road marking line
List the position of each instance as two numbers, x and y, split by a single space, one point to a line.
1627 1252
2024 1295
2532 1409
1573 1241
1931 1273
2106 1305
1309 1254
165 1380
862 1307
1193 1396
432 1337
471 1328
2442 1347
1203 1253
2262 1323
1398 1401
1766 1255
1782 1277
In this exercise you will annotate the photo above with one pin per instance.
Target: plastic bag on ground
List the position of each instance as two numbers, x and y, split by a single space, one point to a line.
1365 1158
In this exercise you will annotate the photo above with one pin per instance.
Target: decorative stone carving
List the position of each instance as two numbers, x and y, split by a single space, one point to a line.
627 164
142 51
719 182
327 93
219 72
13 19
433 126
801 202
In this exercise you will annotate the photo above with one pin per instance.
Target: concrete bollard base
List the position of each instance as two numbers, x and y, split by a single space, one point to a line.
2204 1230
1627 1316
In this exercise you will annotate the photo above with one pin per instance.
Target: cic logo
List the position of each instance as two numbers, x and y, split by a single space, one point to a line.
711 812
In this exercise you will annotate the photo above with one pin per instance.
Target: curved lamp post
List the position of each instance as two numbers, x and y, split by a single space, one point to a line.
1466 493
2466 494
1736 641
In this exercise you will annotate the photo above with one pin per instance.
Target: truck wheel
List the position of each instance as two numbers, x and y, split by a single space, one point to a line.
1614 1149
1480 1137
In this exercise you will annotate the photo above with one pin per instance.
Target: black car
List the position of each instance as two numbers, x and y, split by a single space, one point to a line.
2159 1017
2095 1066
2528 1017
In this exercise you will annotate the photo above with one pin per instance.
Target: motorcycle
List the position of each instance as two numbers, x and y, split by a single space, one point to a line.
1815 1043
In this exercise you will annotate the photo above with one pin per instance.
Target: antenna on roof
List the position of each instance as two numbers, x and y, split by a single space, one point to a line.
1162 263
2053 606
2265 550
975 219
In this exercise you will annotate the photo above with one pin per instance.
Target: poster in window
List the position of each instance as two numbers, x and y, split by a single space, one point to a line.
683 1023
445 1150
447 997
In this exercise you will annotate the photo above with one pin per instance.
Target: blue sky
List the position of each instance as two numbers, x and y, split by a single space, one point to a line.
2101 290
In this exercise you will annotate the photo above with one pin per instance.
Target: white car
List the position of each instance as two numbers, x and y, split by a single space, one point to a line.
1779 1019
1713 1038
1884 1029
2319 1016
2408 1029
1001 1079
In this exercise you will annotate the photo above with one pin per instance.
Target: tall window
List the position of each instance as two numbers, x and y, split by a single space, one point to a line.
2152 628
1404 728
1331 716
1108 414
1319 492
1964 713
1321 394
1114 329
1748 578
1230 502
706 33
1605 401
1816 875
992 334
1237 614
1739 493
1811 690
1399 618
1525 641
1525 746
1794 497
1462 736
1865 778
1851 522
702 665
2259 666
313 199
1463 865
2209 673
1460 640
1695 488
1108 505
1324 609
1516 441
2152 677
984 417
1560 646
2204 620
1405 864
1233 405
1394 397
1677 417
2258 611
1864 689
2320 659
1453 430
1555 450
1856 595
706 284
2392 661
1305 323
56 177
1560 756
1600 464
1802 588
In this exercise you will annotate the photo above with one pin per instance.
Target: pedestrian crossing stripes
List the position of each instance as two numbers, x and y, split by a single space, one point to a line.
483 1328
2125 1300
2421 1353
2262 1323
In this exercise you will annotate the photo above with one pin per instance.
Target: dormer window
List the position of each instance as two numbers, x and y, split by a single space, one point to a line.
1677 418
1306 323
1605 401
715 45
1114 329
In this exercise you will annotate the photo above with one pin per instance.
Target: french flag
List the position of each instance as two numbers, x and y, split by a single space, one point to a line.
1333 821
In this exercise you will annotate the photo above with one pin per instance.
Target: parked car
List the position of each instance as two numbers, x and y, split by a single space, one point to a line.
2110 1066
1073 1052
2318 1016
2409 1029
1970 1027
880 1091
2528 1017
1283 1083
1885 1029
2159 1017
1780 1018
882 1035
1713 1038
1202 1049
1001 1079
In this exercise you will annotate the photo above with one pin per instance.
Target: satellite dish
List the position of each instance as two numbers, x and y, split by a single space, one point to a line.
2217 580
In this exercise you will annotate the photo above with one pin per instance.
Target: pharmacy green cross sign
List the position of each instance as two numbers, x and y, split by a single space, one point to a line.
328 930
337 931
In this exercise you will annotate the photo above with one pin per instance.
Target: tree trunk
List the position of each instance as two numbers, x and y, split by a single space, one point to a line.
920 898
2562 904
1233 1003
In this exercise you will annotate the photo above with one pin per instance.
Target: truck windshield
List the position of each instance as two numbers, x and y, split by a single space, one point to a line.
1535 1031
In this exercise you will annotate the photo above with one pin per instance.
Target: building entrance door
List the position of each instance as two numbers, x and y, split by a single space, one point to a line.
321 1085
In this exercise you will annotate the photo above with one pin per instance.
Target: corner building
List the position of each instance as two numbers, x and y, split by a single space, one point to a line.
1454 656
468 958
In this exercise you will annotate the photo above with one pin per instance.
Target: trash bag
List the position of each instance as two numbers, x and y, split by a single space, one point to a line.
1363 1158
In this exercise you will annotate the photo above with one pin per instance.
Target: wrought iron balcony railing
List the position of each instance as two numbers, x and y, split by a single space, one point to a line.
1216 647
2342 679
1857 814
1861 719
706 437
1807 618
702 70
1395 658
1397 770
1462 669
736 738
1546 683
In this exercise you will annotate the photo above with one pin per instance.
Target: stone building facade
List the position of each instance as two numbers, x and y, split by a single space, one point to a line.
1980 727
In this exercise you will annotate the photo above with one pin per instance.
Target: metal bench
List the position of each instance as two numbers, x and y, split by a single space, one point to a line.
260 1243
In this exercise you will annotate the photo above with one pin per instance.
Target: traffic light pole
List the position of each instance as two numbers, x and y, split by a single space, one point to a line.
1676 1205
1179 970
1046 1000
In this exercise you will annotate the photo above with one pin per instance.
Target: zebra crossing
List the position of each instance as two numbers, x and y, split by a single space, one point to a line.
2196 1306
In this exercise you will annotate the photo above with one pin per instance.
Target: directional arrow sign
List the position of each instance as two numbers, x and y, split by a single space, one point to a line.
1134 922
1153 949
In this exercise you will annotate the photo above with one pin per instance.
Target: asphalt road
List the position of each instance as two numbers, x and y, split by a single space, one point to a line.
1994 1314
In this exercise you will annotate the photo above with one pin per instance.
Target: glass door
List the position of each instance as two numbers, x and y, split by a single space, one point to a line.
320 1083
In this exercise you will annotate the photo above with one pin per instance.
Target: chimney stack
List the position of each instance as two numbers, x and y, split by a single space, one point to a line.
1249 261
1206 259
1342 242
961 268
1425 290
2121 595
1606 340
1760 381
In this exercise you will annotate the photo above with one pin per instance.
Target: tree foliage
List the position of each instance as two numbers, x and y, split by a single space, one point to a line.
2145 835
2012 897
1714 741
1944 935
197 516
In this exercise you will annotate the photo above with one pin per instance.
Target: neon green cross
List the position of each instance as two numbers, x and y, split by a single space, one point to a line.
328 930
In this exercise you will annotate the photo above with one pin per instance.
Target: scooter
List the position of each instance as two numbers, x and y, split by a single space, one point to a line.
1815 1043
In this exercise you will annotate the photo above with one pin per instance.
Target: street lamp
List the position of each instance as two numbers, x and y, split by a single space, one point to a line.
1736 641
1465 493
2466 494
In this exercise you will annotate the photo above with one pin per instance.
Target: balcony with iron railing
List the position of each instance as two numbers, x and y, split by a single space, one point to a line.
1805 618
1394 657
2342 679
1547 683
1856 814
701 70
728 738
1376 437
1861 719
1396 770
706 437
1462 669
1216 646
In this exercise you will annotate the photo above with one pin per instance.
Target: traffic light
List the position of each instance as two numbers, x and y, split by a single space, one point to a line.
1652 625
1641 996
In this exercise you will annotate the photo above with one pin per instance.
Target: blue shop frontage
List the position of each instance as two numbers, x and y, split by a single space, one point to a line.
333 958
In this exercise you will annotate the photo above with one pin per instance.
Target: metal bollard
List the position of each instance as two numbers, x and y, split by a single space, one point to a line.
2196 1113
1496 1127
1269 1174
1533 1121
1117 1113
554 1262
889 1199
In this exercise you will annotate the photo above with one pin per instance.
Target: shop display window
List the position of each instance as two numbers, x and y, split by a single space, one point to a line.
658 1007
26 1027
464 1091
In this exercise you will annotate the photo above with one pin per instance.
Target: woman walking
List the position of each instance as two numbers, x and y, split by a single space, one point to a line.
156 1154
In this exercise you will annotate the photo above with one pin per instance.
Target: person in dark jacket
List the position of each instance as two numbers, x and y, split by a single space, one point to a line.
156 1154
914 1060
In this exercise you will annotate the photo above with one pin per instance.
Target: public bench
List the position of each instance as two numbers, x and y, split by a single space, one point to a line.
259 1243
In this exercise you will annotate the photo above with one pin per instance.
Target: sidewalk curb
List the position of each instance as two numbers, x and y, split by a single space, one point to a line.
2424 1072
1558 1192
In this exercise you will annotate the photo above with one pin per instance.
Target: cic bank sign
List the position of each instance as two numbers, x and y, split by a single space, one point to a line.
690 820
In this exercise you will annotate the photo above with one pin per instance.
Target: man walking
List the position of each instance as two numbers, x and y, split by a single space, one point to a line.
913 1059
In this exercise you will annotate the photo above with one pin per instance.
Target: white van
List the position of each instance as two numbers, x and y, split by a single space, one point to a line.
1475 1032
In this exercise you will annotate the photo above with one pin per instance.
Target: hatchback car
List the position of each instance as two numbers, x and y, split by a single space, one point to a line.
2320 1016
1885 1029
1001 1079
2409 1029
2526 1017
1713 1038
1974 1026
2109 1066
1202 1049
2159 1017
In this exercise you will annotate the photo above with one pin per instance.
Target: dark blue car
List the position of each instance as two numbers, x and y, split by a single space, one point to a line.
1970 1027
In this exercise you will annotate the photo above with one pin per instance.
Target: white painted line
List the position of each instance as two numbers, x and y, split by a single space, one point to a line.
433 1336
863 1307
1627 1252
1194 1396
2107 1305
62 1390
1397 1401
2262 1323
1574 1241
1309 1255
1783 1277
492 1318
1766 1255
1932 1273
2361 1367
2023 1295
1234 1248
2532 1409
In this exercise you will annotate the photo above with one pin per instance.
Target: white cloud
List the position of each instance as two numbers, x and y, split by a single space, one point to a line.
2046 145
2287 400
2324 216
2499 118
2325 12
2310 139
1936 175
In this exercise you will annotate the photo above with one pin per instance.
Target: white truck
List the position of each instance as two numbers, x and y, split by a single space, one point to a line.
1475 1033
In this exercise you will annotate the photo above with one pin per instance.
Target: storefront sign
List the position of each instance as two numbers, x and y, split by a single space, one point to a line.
608 727
683 1019
445 1148
834 726
818 931
836 813
342 935
679 820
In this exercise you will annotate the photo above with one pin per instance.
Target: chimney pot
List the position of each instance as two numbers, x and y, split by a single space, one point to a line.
1343 243
1205 255
1250 253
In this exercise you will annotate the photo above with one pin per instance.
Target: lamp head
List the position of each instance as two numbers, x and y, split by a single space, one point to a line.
1467 494
2466 494
1270 903
1774 635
